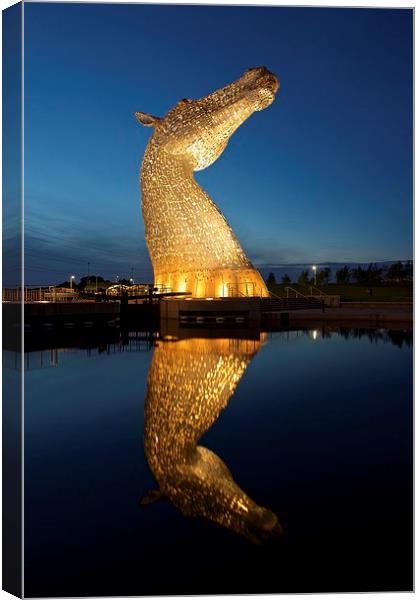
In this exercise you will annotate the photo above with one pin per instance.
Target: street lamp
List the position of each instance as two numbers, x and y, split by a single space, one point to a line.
314 270
72 278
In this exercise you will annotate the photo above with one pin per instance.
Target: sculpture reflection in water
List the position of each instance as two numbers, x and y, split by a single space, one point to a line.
190 382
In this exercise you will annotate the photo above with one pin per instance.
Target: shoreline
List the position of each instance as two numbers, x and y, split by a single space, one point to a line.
372 314
68 315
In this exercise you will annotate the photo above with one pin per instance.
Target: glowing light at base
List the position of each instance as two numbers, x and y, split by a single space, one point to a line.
190 382
191 245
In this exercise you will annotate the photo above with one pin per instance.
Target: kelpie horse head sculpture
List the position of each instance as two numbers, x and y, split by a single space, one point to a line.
192 247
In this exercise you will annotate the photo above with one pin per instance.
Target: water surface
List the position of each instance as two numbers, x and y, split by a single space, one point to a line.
172 467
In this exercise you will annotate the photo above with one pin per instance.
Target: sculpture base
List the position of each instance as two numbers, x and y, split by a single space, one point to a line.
215 313
214 283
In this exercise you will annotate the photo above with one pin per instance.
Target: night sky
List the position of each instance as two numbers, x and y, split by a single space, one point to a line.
324 174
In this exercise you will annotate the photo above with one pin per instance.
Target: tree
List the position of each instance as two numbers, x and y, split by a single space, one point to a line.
66 284
343 275
323 276
408 270
286 279
303 278
372 275
84 281
271 279
356 274
396 272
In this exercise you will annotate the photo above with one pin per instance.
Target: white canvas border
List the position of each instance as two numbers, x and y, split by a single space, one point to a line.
392 4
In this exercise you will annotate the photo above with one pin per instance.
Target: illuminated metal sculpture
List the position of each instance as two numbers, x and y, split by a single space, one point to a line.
190 382
191 245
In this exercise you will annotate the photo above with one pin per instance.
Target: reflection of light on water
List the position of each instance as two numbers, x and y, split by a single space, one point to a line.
190 382
314 334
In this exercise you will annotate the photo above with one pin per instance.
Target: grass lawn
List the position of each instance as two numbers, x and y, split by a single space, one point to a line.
354 293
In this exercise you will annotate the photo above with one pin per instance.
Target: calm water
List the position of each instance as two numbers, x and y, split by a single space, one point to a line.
307 431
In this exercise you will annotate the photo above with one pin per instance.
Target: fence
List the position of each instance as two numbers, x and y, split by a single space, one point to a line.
48 294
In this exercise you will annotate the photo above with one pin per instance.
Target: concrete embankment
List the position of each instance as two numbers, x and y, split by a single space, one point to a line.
68 315
370 314
62 314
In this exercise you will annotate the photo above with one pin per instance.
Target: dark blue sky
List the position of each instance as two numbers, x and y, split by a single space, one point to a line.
324 174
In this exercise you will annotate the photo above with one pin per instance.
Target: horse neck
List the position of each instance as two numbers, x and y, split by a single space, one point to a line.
181 220
190 382
161 169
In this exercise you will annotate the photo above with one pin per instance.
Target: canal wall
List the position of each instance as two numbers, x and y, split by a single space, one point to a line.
227 312
362 313
202 311
61 314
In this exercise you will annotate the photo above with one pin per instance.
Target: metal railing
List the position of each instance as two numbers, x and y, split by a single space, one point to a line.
295 292
41 294
130 290
248 287
318 292
234 291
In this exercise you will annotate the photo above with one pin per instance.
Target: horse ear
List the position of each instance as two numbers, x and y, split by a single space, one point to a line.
150 497
146 119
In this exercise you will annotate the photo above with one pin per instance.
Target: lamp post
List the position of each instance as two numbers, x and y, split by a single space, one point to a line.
72 277
314 270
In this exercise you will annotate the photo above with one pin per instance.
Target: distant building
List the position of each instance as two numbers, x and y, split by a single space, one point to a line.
115 289
59 294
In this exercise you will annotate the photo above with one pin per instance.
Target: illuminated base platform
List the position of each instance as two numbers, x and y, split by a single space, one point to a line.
232 311
217 283
212 311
